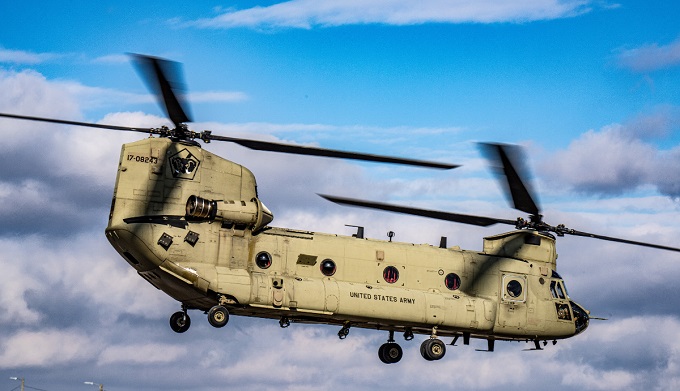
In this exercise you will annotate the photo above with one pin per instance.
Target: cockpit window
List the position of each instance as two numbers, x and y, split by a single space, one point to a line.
555 275
556 290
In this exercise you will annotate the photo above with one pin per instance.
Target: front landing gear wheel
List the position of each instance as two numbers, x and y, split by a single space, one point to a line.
432 349
218 316
390 353
180 322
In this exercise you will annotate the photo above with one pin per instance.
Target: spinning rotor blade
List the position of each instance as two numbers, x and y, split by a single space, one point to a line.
252 144
313 151
482 221
433 214
164 78
88 124
509 159
619 240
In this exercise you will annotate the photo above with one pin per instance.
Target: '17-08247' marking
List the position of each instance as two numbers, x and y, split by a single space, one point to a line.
142 159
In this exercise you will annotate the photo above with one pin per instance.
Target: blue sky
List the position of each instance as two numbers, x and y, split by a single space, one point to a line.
588 87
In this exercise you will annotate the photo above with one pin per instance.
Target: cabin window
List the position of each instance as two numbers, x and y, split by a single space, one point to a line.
452 281
328 267
514 288
391 274
263 260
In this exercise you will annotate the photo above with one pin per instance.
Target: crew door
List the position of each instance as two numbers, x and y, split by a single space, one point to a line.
512 310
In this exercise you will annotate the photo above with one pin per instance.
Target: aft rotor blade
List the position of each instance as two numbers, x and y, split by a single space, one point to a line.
510 161
619 240
434 214
313 151
164 78
88 124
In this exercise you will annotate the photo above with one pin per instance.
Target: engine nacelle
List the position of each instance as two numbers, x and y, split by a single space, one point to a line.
253 213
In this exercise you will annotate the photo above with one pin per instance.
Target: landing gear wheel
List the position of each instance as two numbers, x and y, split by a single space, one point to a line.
432 349
218 316
180 322
390 353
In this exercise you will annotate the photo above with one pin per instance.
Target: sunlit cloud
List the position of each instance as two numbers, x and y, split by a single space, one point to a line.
307 14
621 157
44 348
25 57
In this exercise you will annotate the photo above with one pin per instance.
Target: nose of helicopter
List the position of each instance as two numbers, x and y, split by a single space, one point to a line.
581 317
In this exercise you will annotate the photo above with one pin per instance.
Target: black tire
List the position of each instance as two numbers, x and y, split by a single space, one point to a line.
423 347
432 349
390 353
381 353
180 322
218 316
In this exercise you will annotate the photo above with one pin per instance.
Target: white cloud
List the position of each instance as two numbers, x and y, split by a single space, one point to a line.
651 57
620 158
604 161
48 347
217 96
14 307
585 377
150 353
626 354
112 59
310 13
24 57
29 93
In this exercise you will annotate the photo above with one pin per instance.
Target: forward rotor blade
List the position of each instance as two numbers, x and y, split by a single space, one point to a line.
164 78
87 124
509 160
312 151
446 216
619 240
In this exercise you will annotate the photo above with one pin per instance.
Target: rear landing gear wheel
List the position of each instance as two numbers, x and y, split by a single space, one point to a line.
218 316
180 322
390 353
432 349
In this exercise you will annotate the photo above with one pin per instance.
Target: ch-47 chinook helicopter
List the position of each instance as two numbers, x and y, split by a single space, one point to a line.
191 224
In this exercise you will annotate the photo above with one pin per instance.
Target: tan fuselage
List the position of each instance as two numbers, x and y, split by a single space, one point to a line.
198 260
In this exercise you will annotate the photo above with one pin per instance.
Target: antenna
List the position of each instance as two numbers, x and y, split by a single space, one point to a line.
360 231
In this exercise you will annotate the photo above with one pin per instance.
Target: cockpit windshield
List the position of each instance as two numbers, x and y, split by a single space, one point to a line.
557 290
557 287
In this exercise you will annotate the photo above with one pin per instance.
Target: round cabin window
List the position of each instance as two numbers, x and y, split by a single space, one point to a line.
391 274
263 260
452 281
514 288
328 267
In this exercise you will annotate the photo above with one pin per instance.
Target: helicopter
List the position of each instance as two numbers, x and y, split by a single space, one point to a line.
192 224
